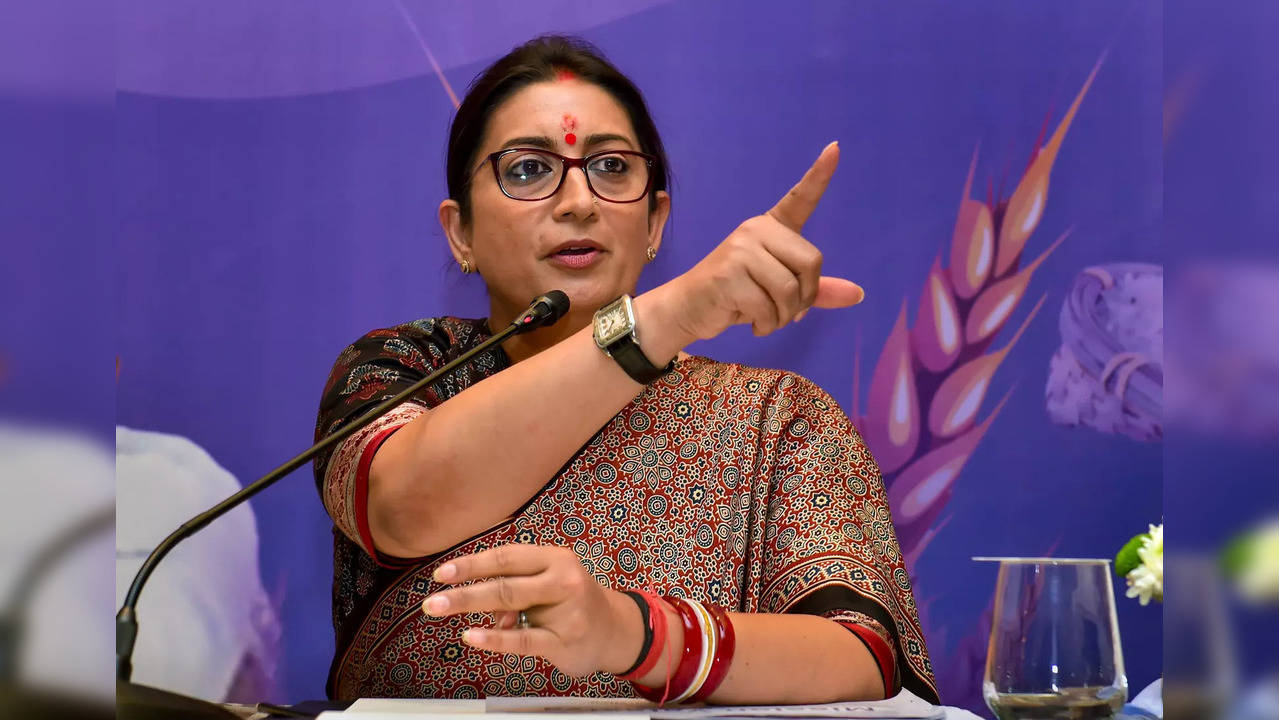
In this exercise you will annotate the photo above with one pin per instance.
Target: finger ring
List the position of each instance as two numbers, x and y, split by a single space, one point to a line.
523 622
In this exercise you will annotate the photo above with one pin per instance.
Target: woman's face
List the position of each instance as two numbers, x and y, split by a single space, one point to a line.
591 249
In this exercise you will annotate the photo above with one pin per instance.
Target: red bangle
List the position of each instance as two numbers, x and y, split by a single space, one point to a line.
657 624
679 684
691 661
657 695
659 642
723 653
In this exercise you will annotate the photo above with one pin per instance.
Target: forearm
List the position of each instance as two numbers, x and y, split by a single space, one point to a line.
478 457
797 659
780 659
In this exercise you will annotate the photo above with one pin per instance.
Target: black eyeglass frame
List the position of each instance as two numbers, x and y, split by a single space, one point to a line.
569 163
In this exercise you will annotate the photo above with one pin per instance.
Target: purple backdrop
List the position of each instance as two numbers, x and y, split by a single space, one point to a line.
278 173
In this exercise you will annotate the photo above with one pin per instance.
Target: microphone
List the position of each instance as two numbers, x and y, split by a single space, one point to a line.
141 701
544 311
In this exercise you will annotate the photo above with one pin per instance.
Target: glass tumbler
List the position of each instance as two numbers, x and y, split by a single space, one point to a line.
1054 642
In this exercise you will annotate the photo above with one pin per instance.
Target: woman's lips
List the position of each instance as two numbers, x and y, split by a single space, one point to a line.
576 259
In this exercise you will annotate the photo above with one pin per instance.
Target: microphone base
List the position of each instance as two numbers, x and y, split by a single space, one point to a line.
143 702
17 701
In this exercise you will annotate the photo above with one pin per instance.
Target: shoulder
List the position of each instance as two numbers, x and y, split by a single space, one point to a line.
426 337
415 346
443 332
772 386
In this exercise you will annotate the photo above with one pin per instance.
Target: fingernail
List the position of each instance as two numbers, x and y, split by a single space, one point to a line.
861 296
800 315
445 572
474 636
436 604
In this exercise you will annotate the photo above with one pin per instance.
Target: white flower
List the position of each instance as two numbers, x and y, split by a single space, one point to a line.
1146 581
1143 584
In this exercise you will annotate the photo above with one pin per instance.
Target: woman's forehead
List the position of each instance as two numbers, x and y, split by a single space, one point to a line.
554 109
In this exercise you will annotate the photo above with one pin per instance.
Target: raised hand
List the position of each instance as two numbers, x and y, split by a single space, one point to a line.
765 273
576 623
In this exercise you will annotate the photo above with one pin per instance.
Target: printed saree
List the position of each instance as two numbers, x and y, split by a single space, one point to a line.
744 487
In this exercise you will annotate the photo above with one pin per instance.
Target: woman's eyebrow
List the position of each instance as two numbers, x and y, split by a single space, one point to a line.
601 138
538 141
544 142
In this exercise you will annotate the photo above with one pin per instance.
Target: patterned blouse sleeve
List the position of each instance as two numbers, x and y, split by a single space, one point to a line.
830 547
371 370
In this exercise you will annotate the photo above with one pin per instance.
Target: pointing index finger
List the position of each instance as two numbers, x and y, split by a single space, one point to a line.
797 204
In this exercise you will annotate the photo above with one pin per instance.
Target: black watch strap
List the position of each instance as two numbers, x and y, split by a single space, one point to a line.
628 354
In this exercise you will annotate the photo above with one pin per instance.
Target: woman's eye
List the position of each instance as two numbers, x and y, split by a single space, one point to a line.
611 164
527 169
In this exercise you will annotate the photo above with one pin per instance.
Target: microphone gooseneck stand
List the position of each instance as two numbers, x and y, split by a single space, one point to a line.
141 702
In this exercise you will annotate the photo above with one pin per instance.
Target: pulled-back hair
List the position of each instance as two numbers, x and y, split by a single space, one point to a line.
538 60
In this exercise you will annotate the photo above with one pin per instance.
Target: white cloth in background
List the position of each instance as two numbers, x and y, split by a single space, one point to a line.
204 610
51 481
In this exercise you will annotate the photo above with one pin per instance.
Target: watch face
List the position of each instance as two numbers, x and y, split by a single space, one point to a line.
613 324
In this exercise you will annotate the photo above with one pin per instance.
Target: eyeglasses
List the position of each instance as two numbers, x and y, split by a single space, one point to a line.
617 176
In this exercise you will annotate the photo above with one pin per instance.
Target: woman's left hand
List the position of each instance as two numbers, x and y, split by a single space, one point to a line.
577 625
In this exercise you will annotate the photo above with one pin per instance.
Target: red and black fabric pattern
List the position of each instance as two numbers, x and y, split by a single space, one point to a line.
743 487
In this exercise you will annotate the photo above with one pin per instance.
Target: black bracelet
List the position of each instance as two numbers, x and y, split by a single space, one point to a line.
648 631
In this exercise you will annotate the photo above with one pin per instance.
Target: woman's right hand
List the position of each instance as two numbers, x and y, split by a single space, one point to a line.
764 273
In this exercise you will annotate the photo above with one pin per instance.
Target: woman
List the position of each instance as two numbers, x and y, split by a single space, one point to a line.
707 531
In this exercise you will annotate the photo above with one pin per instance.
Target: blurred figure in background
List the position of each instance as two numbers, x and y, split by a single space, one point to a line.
56 489
206 625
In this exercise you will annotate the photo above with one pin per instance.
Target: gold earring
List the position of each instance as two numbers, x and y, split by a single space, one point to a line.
651 253
466 266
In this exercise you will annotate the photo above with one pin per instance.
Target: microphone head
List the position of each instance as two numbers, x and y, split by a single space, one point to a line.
558 301
545 310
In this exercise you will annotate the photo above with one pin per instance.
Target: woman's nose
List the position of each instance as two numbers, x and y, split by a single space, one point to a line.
575 198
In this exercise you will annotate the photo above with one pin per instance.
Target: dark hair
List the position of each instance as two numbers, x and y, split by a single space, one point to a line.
538 60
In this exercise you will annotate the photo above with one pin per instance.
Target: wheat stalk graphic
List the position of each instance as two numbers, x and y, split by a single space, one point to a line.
925 394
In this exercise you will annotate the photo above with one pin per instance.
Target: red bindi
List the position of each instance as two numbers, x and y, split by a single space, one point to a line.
569 124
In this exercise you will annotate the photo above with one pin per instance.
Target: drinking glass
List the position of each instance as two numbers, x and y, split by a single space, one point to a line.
1054 642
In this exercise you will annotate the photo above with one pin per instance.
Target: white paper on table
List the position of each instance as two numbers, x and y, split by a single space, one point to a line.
423 709
376 708
903 707
519 709
544 705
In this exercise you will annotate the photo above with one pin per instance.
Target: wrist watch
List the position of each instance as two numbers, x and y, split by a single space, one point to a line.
614 333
